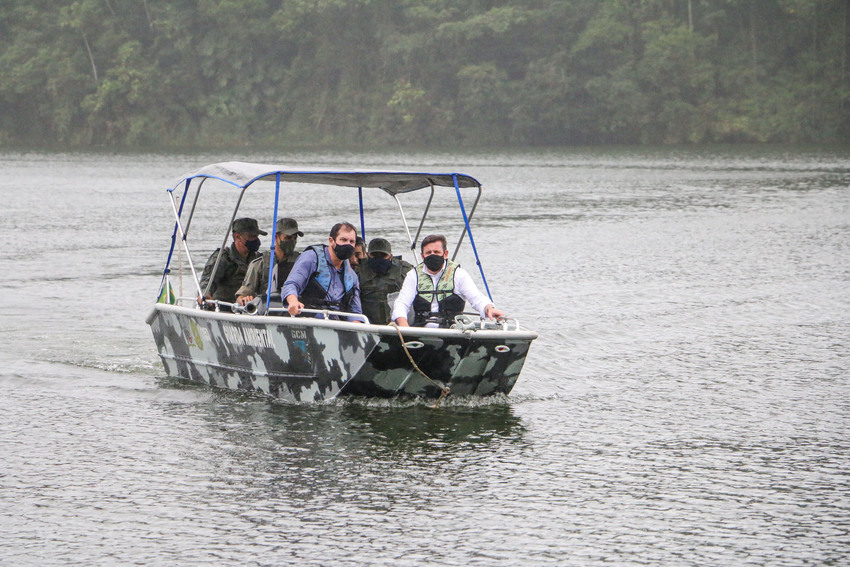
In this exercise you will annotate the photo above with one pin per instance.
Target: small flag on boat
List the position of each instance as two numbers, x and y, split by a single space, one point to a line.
167 294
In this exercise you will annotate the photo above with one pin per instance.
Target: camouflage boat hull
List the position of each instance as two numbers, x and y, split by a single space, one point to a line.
306 359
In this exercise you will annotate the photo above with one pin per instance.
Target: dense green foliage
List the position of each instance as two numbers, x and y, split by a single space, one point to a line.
214 73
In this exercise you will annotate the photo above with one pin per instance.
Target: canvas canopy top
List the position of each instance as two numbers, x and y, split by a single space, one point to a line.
243 174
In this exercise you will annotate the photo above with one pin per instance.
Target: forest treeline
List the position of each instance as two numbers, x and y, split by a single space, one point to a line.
265 73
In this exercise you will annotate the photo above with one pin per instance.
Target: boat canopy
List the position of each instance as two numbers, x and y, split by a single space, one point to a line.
243 174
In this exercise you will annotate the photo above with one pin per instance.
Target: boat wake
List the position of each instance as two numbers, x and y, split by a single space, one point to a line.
402 402
118 366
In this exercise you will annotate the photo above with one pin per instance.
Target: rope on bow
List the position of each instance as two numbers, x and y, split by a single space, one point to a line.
444 390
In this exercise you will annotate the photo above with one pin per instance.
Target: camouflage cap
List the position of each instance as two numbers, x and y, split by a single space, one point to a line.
288 227
380 245
247 225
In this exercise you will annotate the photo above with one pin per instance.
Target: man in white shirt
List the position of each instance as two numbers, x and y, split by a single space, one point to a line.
438 289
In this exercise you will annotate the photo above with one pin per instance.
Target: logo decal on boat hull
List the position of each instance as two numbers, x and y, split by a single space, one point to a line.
302 347
194 335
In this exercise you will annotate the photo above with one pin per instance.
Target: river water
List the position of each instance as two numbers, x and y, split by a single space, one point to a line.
687 402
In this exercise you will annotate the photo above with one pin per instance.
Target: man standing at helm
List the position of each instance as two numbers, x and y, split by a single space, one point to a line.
438 289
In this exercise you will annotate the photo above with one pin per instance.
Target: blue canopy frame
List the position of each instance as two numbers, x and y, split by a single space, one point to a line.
242 175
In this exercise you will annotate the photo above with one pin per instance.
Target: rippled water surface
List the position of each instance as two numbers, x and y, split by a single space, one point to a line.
686 403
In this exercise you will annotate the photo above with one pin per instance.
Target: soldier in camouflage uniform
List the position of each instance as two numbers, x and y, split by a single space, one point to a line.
234 262
380 274
256 281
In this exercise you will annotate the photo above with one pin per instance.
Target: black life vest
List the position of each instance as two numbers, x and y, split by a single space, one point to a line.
281 272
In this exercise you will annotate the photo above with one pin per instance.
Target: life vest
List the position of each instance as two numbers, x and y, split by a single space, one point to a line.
280 271
375 287
315 294
449 303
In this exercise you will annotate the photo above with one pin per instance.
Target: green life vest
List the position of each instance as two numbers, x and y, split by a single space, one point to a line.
449 303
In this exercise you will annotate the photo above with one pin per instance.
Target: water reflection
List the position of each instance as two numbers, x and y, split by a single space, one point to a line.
286 464
375 427
421 428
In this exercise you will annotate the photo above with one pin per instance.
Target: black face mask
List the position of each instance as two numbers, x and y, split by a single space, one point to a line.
380 265
252 245
434 262
343 251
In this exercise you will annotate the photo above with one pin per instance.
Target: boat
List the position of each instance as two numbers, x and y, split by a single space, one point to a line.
259 347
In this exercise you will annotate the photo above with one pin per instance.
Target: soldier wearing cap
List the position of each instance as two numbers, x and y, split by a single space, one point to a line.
234 261
257 279
380 275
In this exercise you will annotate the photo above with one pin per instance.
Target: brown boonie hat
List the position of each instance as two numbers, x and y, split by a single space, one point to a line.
247 225
380 245
288 227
